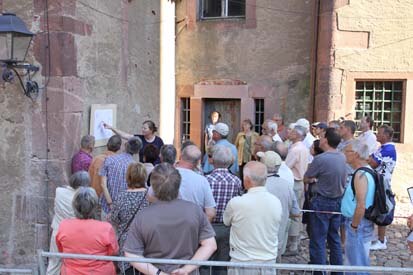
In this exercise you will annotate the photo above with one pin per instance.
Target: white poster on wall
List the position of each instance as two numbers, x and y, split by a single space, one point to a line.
100 114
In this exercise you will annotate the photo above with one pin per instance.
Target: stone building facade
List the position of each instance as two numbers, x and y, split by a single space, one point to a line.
101 52
300 58
257 62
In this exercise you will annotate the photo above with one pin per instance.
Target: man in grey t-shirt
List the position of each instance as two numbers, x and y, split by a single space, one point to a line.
170 228
327 173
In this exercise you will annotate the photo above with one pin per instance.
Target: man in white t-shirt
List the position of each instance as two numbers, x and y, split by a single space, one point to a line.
367 135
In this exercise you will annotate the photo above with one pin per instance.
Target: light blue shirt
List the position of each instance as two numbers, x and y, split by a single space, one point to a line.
208 167
349 202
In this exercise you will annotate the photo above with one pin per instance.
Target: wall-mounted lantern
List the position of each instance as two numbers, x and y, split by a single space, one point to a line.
15 41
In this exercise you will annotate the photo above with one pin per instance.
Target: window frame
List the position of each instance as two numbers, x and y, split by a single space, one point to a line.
224 12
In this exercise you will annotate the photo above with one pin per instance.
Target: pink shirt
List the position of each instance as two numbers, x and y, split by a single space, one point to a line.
297 159
86 237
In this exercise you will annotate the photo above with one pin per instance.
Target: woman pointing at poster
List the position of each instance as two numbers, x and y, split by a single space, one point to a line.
148 136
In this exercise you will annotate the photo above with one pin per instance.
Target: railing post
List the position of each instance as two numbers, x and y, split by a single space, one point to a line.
41 262
35 270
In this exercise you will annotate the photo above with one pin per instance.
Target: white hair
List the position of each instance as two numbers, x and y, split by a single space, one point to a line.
222 156
272 126
300 130
259 179
361 148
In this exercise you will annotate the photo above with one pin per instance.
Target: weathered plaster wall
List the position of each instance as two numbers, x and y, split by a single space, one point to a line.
270 50
119 62
101 52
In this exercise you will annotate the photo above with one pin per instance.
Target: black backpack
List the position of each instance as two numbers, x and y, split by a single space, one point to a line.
380 212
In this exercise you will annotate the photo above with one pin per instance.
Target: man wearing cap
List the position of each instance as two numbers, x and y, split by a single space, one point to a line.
219 135
309 138
318 128
280 188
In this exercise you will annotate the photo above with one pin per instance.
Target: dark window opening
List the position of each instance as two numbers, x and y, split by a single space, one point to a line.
259 114
185 119
381 100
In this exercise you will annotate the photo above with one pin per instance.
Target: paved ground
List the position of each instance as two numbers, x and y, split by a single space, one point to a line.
396 254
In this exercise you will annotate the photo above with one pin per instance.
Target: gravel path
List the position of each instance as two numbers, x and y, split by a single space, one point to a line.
396 254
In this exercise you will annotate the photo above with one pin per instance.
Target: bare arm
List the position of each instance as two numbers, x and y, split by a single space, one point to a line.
105 190
210 212
208 246
308 180
122 134
360 186
372 163
145 268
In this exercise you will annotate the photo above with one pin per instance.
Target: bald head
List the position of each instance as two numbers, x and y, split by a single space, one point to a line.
255 174
191 154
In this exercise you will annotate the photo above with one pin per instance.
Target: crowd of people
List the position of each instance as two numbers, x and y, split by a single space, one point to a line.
245 201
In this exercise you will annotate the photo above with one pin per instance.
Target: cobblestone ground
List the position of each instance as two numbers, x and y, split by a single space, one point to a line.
396 254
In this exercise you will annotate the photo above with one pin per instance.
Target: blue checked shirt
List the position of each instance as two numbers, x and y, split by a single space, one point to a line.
114 169
224 187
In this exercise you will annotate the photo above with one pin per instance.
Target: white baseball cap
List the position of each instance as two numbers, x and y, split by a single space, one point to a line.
303 123
270 158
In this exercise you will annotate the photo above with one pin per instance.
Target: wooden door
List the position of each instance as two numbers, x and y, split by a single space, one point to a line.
229 109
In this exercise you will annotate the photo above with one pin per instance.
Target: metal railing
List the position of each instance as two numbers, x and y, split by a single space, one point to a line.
279 267
9 270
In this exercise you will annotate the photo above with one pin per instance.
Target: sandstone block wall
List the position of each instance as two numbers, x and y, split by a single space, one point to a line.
101 52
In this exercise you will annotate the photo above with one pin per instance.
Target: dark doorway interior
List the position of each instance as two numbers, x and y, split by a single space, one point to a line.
230 111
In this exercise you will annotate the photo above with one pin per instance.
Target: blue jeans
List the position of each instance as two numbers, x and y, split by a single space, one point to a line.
325 227
358 244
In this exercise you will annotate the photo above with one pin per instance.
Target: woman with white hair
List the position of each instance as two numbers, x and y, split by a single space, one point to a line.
86 235
63 210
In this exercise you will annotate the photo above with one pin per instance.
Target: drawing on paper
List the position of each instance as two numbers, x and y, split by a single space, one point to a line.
100 114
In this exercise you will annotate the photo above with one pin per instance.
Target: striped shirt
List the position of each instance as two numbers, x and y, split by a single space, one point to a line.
224 187
114 169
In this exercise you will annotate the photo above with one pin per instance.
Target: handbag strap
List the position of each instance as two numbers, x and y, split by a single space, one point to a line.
134 214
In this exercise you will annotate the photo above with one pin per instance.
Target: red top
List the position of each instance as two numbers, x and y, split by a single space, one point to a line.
86 237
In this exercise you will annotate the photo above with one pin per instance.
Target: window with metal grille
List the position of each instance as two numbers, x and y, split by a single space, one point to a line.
185 119
259 114
222 8
381 100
